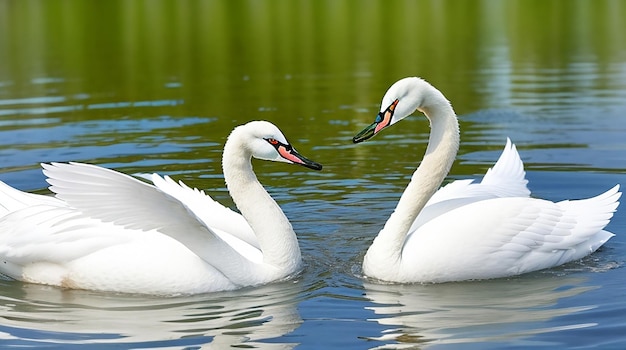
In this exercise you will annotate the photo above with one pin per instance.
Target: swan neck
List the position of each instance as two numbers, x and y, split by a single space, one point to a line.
275 234
440 153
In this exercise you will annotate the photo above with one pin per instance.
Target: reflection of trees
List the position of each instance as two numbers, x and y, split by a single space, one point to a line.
497 310
39 315
233 58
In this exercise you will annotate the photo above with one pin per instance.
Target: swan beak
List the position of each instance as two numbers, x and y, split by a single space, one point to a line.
293 156
287 152
383 120
306 162
366 133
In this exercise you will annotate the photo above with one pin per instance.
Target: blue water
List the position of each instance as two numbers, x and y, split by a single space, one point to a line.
336 214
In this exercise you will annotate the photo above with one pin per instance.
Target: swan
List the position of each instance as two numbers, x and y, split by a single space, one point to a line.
107 231
467 230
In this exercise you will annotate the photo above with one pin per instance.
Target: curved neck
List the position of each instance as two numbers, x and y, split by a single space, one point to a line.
277 239
442 147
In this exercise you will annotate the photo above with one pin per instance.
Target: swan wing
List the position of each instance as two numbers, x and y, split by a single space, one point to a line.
506 178
114 197
12 199
36 228
59 245
219 218
507 236
53 233
38 242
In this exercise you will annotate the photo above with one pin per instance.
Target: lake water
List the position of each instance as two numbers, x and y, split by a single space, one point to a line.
157 87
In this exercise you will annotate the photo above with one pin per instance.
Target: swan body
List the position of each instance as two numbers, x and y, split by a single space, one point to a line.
104 230
468 230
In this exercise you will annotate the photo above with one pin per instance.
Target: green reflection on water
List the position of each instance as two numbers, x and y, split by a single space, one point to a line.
233 57
316 68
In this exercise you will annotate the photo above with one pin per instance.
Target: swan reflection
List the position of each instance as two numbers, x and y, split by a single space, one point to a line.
467 312
37 315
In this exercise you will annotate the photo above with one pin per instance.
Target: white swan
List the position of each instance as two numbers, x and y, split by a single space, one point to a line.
473 231
108 231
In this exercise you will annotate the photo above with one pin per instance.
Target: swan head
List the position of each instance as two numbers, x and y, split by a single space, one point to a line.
402 99
265 141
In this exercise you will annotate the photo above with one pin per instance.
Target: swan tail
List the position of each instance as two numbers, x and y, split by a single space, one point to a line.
594 212
598 240
592 215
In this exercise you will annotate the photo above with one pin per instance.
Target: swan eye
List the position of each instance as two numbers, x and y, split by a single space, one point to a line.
383 119
388 113
278 145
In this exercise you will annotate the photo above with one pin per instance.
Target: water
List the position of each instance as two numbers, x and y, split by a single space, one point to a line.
157 88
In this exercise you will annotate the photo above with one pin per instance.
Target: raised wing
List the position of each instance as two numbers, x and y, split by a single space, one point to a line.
213 214
114 197
505 179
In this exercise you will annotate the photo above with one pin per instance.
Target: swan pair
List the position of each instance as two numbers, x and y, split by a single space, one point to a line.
104 230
